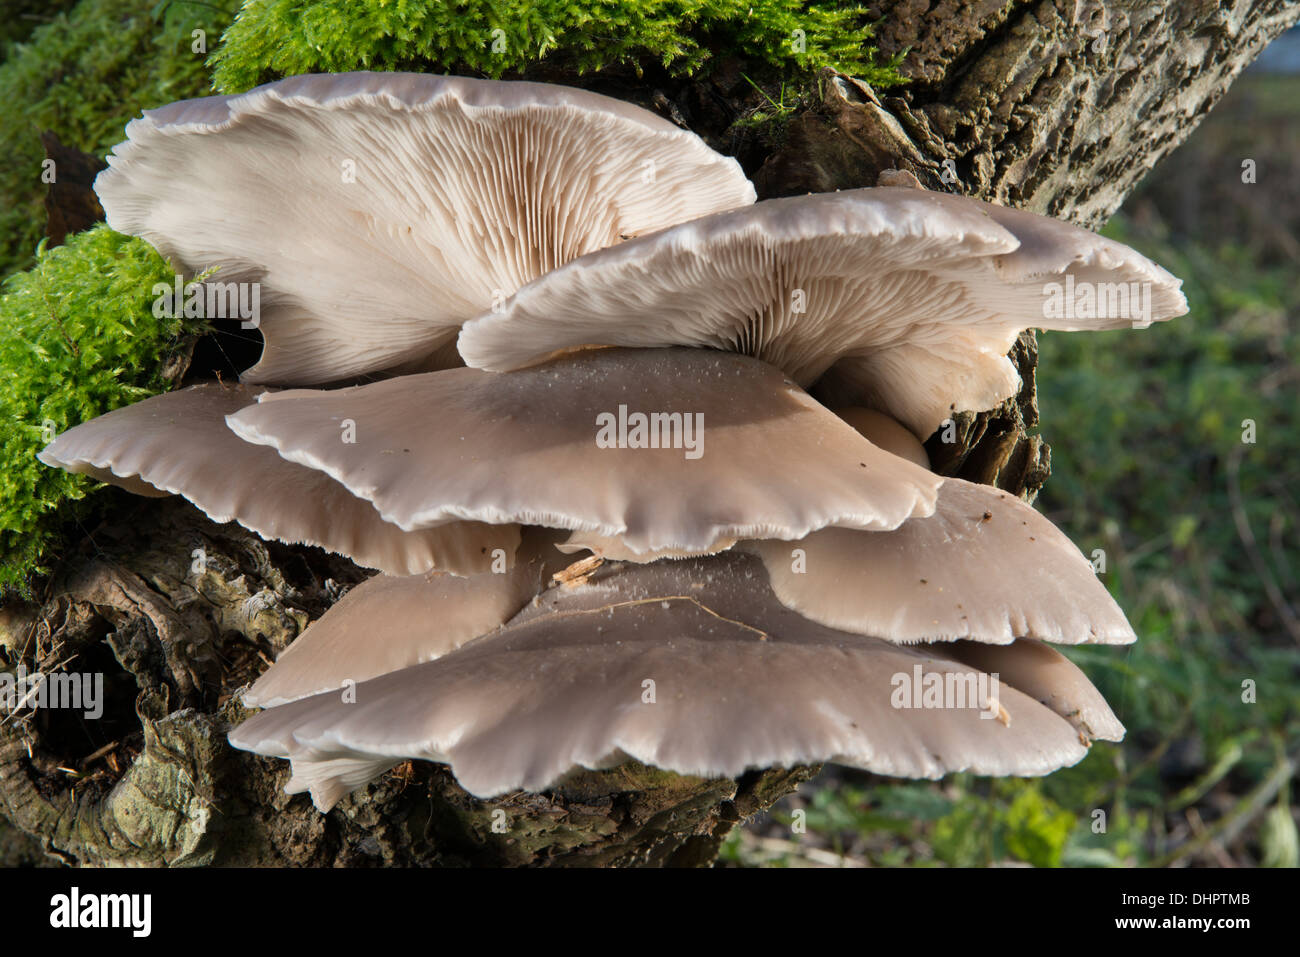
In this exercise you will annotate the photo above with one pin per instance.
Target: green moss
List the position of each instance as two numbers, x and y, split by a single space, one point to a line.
83 76
23 16
276 38
78 338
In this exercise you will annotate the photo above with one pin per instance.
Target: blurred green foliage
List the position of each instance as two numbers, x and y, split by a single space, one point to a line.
83 75
276 38
78 338
23 16
1175 450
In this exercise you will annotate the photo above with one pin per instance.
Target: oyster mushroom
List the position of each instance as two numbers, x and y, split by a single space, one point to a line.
984 566
691 666
896 299
762 459
379 211
388 622
688 642
178 443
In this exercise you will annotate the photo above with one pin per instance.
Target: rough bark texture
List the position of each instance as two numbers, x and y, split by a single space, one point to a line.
1057 107
153 781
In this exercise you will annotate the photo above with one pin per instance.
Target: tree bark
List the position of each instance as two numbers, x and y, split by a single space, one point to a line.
1057 107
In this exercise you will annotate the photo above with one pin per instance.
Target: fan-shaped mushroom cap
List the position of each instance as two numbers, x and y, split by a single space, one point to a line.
984 566
906 301
755 456
178 443
735 682
886 433
379 211
1049 678
388 623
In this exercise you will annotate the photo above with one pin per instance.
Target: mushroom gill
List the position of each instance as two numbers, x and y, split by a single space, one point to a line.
898 299
379 211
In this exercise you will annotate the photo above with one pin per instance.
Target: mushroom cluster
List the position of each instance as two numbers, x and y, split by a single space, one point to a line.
636 457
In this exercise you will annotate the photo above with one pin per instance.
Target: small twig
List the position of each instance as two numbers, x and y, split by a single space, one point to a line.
780 108
1225 830
55 316
1199 788
578 572
1199 829
98 754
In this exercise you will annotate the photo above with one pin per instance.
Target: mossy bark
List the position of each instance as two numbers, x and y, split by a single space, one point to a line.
1058 107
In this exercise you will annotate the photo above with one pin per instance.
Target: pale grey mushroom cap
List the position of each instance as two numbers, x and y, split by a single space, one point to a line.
1049 678
985 566
387 623
178 443
886 433
480 446
379 211
738 682
901 299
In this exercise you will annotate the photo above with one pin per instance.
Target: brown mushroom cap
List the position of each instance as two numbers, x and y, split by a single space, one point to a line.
523 447
379 211
900 299
739 682
387 623
178 443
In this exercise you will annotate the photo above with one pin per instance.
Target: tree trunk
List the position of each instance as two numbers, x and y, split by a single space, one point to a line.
1057 107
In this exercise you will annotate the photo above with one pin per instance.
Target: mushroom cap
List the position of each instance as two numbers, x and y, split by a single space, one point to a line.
178 443
886 433
523 447
1048 677
879 429
379 211
904 300
387 623
739 683
985 566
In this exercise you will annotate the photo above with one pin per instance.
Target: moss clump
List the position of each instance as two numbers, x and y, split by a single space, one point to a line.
24 16
78 338
276 38
83 76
